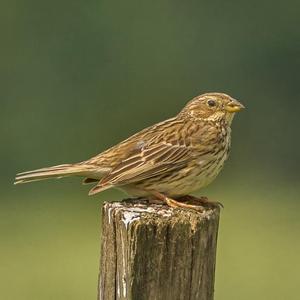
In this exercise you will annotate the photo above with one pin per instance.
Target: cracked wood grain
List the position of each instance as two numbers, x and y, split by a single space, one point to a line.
151 251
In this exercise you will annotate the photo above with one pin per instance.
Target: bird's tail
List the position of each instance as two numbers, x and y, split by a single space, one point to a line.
55 172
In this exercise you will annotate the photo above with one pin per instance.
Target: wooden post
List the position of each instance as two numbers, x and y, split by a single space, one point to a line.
153 252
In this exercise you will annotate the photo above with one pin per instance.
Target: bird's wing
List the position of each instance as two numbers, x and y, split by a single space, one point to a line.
146 162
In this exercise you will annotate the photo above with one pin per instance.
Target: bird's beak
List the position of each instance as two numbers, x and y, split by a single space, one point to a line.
234 106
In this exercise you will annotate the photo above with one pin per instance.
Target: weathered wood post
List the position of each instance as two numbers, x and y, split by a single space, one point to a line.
153 252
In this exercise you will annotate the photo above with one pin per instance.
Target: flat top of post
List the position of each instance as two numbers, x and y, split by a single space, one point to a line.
135 209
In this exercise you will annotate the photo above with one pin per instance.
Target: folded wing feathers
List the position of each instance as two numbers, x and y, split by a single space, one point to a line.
147 163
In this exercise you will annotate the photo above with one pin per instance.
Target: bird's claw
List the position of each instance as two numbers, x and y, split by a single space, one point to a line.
202 201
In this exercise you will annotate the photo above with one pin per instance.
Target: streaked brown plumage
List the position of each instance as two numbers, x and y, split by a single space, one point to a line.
169 159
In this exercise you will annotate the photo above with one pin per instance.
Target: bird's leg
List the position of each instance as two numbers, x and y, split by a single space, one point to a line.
173 203
201 200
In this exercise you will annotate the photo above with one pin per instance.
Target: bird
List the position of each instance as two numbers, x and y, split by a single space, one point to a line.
166 161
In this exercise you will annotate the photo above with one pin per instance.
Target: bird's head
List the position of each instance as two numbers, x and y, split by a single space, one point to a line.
212 106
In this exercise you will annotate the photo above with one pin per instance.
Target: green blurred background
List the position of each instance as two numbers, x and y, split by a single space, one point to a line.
79 76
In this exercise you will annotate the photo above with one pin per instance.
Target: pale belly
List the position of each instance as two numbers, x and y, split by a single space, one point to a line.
191 180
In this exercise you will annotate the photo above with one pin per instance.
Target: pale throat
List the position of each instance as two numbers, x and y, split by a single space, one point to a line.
222 116
229 117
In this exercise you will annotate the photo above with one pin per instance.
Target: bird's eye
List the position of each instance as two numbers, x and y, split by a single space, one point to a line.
211 102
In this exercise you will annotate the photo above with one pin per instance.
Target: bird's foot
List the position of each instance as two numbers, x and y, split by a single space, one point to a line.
176 204
188 201
203 201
